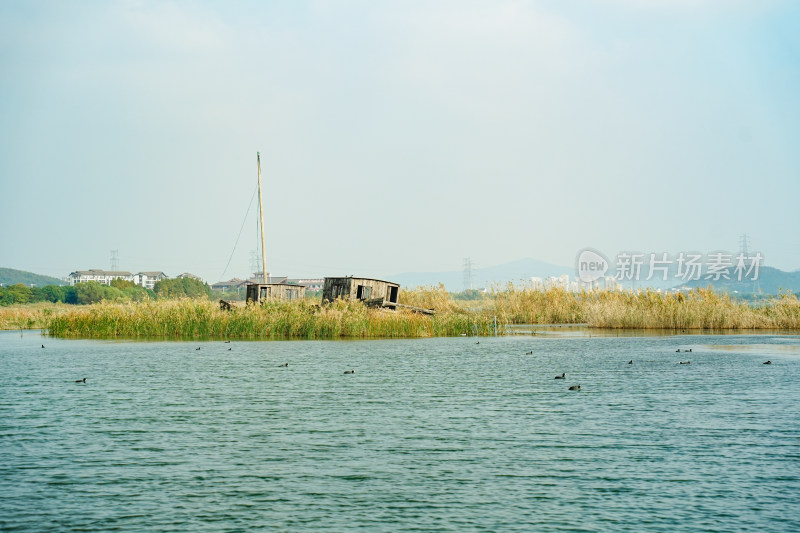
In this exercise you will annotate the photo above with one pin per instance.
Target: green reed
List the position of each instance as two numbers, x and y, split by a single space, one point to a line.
273 320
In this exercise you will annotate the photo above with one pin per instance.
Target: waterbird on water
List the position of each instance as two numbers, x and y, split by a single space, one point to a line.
575 387
349 371
284 365
529 353
630 362
684 362
197 348
42 345
562 376
80 380
767 363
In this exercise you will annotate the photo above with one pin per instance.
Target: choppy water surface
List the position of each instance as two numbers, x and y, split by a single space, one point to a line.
431 435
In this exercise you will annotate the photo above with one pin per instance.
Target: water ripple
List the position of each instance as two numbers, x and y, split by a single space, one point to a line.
427 435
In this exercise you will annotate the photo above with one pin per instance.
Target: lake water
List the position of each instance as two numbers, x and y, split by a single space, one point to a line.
426 435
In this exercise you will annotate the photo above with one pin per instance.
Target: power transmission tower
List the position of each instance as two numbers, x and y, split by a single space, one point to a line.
468 273
255 263
744 241
114 260
744 245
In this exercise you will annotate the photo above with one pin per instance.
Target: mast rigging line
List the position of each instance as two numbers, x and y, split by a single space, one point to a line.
240 233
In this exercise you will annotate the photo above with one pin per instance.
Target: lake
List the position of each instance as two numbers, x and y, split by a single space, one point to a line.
445 434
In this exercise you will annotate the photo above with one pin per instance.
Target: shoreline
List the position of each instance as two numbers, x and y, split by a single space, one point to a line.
567 331
510 312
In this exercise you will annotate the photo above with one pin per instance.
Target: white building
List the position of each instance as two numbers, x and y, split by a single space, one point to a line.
145 279
98 275
559 282
148 279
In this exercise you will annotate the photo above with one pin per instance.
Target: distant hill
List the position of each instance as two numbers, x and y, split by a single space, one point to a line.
9 276
515 271
770 281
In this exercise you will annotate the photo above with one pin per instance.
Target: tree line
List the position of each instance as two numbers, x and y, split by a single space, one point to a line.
92 292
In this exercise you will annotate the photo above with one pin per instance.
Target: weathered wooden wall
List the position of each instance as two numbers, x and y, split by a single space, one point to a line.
334 288
359 289
275 291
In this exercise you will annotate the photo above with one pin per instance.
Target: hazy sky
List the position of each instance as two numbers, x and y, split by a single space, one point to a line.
397 135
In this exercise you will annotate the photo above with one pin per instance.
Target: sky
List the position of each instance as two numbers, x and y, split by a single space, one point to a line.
395 136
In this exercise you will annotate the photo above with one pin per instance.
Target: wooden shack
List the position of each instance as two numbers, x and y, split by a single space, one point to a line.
259 292
375 291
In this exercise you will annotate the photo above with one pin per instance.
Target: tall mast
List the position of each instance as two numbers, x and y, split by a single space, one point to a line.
261 218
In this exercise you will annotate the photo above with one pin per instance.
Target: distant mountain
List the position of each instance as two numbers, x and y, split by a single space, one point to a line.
515 271
9 276
770 281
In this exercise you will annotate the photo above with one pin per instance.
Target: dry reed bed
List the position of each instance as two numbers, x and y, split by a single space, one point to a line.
699 309
30 316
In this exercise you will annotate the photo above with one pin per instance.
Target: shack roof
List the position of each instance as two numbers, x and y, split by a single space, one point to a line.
365 279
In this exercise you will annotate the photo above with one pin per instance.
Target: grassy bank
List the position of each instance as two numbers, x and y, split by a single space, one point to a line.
700 309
